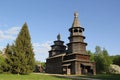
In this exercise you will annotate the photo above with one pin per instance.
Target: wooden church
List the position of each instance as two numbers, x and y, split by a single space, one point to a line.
74 59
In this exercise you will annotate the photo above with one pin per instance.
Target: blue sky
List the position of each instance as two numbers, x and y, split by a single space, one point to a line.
47 18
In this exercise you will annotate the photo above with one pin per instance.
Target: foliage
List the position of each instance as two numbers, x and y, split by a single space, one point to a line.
0 52
107 60
99 63
24 52
20 56
41 63
2 63
9 59
37 62
116 59
101 58
91 55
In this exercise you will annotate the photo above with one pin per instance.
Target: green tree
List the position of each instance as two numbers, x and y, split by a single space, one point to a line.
43 64
91 55
8 53
40 63
116 59
24 52
20 56
102 60
98 50
0 52
9 58
99 63
107 60
2 63
98 59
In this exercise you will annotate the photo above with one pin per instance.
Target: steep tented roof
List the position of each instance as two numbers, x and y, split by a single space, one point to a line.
76 22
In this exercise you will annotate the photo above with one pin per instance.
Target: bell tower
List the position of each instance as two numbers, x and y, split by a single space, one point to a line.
76 43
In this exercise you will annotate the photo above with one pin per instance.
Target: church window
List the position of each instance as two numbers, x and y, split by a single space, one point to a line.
75 30
80 31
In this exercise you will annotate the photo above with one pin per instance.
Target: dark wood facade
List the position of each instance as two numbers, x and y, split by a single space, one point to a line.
74 60
53 64
56 55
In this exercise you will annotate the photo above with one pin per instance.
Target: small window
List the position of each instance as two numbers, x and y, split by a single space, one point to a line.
80 31
75 30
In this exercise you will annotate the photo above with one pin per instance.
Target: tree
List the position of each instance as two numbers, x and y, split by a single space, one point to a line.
116 60
0 52
91 55
23 52
107 60
8 59
40 63
98 59
2 63
20 56
98 50
99 63
102 60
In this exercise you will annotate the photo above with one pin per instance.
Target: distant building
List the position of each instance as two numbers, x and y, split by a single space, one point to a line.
39 68
74 60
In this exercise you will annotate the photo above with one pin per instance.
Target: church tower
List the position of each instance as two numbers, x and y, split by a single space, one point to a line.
56 54
77 44
76 60
58 47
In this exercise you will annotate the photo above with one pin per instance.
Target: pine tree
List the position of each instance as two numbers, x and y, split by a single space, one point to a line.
2 63
8 59
24 52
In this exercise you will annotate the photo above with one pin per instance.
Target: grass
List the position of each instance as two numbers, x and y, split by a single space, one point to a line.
53 77
104 76
29 77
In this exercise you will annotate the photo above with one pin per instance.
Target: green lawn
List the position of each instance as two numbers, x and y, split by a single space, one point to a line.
29 77
51 77
104 76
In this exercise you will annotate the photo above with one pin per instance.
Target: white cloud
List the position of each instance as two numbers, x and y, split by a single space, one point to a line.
41 50
42 47
9 34
1 34
13 30
1 47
